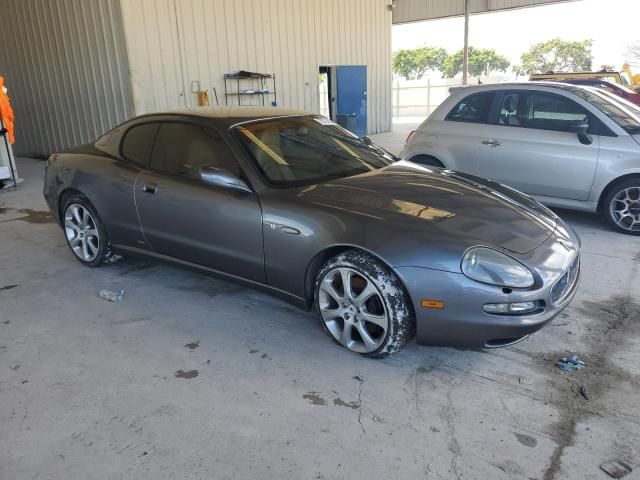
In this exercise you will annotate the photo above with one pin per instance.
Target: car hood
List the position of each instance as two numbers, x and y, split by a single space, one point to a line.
450 204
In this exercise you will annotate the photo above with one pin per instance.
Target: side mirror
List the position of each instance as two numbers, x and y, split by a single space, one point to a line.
580 129
223 178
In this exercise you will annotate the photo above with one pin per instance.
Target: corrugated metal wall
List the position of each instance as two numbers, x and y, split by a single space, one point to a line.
174 42
415 10
65 64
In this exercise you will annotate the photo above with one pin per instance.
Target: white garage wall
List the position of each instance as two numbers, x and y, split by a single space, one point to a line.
174 42
65 64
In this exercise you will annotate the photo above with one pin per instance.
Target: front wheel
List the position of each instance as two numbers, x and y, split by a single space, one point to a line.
621 206
363 306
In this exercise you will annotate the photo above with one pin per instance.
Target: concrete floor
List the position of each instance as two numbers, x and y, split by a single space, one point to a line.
189 377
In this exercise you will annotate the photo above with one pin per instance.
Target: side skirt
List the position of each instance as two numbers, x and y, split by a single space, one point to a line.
276 292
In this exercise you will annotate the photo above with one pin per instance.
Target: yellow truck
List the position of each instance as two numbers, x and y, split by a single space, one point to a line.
623 77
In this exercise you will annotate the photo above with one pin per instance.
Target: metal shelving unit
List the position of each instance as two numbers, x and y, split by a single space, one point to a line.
250 86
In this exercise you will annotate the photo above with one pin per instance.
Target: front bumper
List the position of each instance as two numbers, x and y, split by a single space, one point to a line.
463 323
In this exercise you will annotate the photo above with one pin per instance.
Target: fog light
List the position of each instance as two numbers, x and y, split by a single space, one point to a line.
517 308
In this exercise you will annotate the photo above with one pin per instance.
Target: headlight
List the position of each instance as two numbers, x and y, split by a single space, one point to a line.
490 266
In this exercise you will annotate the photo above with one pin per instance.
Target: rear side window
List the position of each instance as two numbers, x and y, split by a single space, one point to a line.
138 142
540 110
182 149
474 108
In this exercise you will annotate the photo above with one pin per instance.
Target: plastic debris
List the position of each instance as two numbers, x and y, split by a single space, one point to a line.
570 364
112 259
111 296
616 468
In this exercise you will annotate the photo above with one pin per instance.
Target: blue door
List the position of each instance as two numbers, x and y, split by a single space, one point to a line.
351 98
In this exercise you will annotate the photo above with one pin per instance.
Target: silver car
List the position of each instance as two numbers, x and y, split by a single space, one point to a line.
568 146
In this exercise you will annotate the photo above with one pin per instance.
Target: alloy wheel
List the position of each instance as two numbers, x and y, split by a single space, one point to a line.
82 232
353 310
625 209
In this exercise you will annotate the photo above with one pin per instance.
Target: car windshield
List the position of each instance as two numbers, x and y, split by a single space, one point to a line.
619 110
300 151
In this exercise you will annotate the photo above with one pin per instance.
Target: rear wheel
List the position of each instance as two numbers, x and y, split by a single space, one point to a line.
427 160
363 306
621 206
84 231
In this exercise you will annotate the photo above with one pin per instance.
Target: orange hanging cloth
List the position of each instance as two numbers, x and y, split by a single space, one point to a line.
6 112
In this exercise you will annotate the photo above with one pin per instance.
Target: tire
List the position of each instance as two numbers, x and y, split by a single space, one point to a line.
377 319
621 206
427 160
84 231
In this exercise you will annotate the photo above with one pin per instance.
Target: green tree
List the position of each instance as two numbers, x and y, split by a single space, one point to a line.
557 55
413 64
482 61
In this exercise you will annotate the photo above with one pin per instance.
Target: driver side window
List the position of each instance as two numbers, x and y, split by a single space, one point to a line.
182 149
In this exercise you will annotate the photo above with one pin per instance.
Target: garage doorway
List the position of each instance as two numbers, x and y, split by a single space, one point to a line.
343 96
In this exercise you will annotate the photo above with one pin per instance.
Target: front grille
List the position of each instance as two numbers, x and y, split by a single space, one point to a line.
563 287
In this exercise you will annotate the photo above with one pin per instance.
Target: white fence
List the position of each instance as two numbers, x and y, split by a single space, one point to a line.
413 99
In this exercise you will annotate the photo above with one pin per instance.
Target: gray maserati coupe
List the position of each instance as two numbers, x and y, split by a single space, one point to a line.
293 204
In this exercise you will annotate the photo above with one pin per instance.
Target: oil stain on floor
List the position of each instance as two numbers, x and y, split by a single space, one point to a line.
186 374
29 215
314 398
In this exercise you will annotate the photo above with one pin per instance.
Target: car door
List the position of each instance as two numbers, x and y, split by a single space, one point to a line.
458 137
113 191
530 145
184 218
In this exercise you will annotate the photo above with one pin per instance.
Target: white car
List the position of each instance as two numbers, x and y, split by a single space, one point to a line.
567 146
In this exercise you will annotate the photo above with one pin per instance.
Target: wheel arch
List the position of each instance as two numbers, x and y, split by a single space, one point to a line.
62 198
424 156
611 185
329 252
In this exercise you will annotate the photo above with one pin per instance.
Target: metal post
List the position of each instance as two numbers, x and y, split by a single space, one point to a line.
12 168
397 98
465 55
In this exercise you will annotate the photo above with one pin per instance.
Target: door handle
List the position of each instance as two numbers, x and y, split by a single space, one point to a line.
150 188
491 143
282 228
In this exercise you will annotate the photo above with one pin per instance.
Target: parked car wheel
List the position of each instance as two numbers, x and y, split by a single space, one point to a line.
621 206
427 160
85 232
363 306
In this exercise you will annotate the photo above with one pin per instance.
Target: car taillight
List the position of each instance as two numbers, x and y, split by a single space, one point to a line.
410 136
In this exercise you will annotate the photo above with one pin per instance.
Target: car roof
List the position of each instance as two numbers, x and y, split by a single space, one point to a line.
248 112
510 85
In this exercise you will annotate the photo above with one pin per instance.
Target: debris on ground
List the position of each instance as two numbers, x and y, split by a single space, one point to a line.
112 259
111 296
570 364
616 468
583 392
